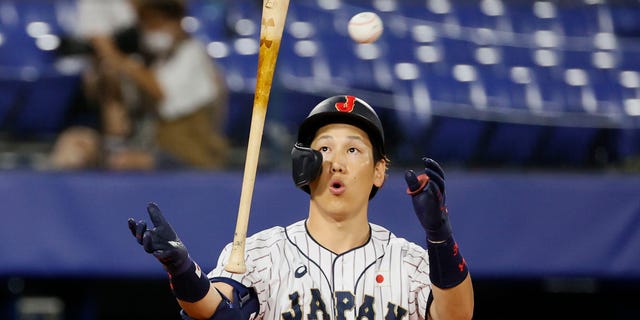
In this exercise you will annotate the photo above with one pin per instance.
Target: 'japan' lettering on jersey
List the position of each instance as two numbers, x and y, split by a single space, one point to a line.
296 278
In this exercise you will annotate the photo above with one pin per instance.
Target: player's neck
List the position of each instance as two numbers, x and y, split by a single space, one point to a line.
338 236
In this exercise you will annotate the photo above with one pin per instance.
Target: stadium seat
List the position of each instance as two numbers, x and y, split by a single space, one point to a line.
486 14
530 16
607 90
458 51
584 20
306 11
18 49
211 19
44 107
304 66
241 65
425 10
578 92
359 66
549 81
244 17
517 55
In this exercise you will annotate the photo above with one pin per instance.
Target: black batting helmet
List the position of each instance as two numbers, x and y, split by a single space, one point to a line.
347 109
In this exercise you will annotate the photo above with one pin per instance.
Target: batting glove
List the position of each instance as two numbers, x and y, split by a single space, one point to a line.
161 241
447 266
188 282
427 191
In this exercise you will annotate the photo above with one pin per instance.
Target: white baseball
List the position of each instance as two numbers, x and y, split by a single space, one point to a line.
365 27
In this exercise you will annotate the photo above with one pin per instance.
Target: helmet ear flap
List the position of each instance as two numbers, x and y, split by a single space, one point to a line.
306 165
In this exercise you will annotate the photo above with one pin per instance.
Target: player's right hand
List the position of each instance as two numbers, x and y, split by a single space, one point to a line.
161 241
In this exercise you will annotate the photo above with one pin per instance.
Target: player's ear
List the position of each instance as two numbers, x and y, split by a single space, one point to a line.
380 173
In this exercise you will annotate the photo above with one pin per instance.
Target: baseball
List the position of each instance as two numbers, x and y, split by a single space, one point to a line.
365 27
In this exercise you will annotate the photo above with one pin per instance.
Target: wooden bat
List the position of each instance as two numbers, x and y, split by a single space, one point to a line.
274 14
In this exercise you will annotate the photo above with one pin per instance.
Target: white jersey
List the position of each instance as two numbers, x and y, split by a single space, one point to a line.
297 278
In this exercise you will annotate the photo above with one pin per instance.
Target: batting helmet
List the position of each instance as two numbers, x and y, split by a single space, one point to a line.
307 163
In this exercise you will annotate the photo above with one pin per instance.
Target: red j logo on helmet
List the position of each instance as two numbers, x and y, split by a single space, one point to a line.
346 106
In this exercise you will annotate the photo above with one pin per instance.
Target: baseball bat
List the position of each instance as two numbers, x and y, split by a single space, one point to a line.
274 14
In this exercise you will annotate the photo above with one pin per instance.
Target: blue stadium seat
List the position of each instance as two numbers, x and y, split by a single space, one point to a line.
629 81
458 51
607 90
45 105
443 88
289 108
549 80
321 19
239 10
241 65
429 96
517 56
441 12
500 90
41 11
19 49
412 104
629 57
526 18
577 58
407 42
211 17
303 64
576 91
489 15
624 18
583 20
359 66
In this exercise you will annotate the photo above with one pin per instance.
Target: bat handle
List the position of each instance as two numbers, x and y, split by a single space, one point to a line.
236 264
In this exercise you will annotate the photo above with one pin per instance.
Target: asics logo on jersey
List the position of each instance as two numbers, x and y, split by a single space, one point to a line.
301 271
346 106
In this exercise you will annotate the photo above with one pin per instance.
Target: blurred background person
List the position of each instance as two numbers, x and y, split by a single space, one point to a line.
163 106
77 148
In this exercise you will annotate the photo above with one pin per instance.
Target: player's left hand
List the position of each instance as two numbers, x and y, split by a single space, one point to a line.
161 241
427 191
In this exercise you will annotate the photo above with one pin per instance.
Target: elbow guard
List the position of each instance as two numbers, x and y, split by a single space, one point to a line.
244 305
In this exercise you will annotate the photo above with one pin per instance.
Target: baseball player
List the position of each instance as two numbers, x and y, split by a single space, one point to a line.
334 264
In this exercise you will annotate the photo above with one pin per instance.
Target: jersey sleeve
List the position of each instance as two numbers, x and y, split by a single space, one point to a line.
417 263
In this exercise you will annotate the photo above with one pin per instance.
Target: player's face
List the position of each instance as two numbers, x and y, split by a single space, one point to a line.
348 170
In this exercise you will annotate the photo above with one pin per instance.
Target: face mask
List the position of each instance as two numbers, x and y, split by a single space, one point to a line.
157 42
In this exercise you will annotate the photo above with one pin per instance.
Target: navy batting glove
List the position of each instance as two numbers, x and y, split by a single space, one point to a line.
161 241
448 267
428 197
